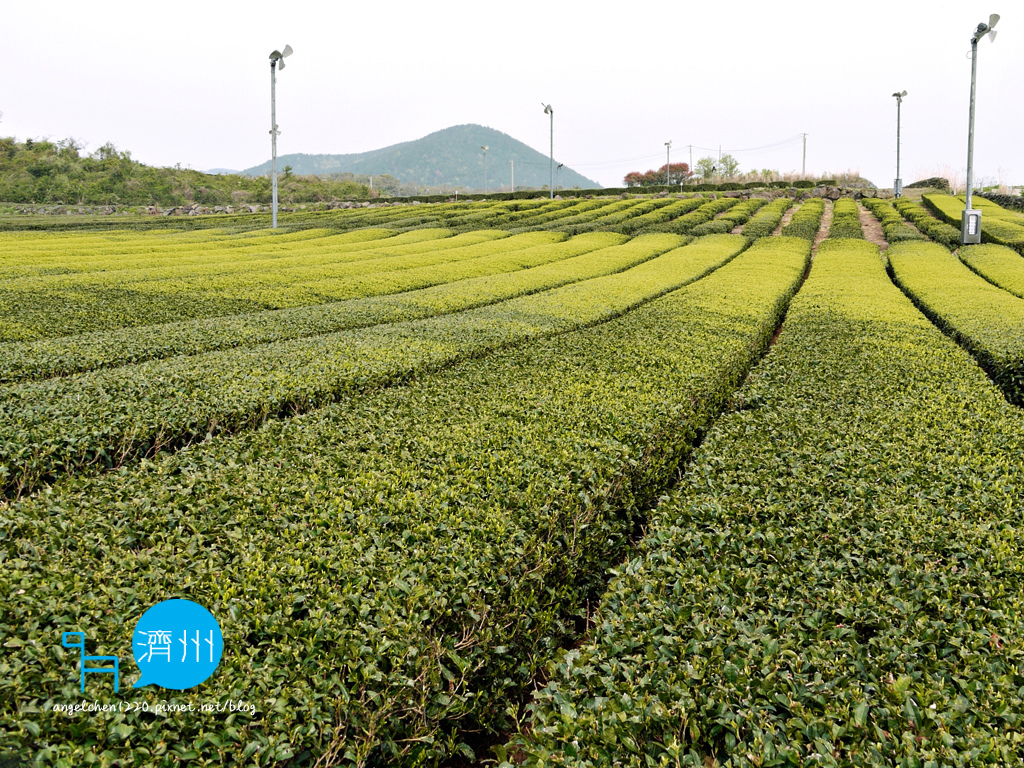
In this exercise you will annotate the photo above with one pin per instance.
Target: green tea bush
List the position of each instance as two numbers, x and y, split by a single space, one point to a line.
921 218
806 221
105 418
895 229
987 320
390 571
836 581
765 221
998 264
573 259
846 220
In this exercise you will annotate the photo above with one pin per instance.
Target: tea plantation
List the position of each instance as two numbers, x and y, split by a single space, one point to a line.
651 481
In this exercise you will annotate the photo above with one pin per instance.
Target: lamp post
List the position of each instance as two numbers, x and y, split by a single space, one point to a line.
897 187
485 167
668 166
970 220
548 110
276 56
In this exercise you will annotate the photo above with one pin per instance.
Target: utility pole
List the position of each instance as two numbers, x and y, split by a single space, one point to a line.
513 162
668 163
803 167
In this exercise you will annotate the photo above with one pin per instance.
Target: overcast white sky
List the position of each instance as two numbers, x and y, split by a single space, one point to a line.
189 83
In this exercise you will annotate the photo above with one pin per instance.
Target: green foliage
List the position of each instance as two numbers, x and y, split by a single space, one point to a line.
105 418
44 172
806 221
988 321
388 571
764 222
837 581
935 182
998 264
998 225
894 228
846 220
920 217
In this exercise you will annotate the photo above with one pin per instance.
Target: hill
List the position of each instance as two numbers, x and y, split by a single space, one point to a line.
57 173
447 159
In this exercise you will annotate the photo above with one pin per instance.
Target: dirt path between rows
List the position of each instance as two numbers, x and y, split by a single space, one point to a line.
824 228
872 228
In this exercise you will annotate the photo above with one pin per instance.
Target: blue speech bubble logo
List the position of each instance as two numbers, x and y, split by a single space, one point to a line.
177 644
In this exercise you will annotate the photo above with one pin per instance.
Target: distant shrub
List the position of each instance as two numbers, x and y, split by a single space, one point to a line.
935 182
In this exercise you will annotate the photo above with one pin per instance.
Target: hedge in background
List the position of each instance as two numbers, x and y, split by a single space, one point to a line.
389 572
987 320
577 259
839 580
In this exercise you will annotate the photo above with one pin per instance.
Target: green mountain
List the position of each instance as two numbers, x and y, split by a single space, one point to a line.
450 159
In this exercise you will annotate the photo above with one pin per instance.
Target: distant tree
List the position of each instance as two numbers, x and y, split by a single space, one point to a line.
706 168
728 166
679 172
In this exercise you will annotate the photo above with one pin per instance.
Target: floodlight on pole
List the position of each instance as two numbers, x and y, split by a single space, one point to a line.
897 187
970 220
548 110
668 165
485 166
275 57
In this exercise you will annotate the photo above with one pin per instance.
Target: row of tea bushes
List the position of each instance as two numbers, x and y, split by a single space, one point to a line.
579 258
665 214
838 579
806 221
846 220
82 255
894 226
390 571
734 217
106 418
987 320
686 223
998 225
922 218
998 264
767 220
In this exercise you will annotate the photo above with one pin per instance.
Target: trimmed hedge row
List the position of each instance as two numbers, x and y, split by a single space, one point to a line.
389 572
998 225
107 418
765 221
846 220
988 321
894 227
574 259
920 217
839 580
998 264
806 221
737 215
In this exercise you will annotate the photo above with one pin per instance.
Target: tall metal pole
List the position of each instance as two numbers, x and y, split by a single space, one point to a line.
897 186
899 104
668 164
970 127
803 167
551 157
273 140
970 220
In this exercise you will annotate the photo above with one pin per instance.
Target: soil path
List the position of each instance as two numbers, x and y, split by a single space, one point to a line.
872 228
824 228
